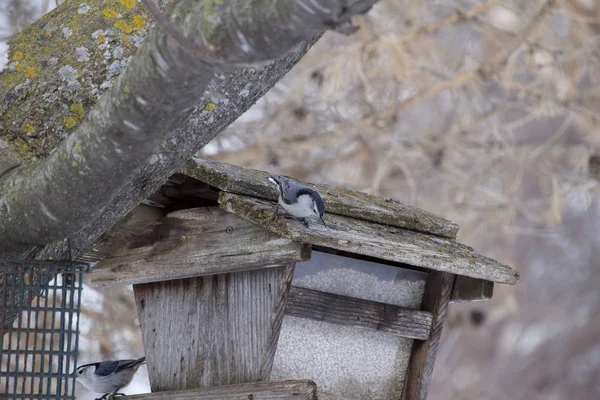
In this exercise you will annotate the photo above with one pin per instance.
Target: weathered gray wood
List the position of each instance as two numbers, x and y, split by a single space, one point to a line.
179 192
471 289
196 242
133 224
368 238
340 201
213 330
286 390
422 359
343 310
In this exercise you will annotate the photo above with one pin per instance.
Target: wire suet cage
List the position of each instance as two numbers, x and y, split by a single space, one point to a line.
39 326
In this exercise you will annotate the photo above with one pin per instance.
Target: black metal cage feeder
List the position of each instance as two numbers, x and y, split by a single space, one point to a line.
39 326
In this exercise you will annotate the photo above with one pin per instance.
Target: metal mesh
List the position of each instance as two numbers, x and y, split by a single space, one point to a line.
39 328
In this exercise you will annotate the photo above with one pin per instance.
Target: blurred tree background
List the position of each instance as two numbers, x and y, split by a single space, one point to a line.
485 112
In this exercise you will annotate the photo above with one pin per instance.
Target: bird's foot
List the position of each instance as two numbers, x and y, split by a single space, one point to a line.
103 397
275 213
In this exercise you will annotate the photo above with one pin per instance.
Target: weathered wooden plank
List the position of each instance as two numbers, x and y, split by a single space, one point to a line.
179 192
286 390
339 201
196 242
368 238
471 289
343 310
134 223
213 330
422 360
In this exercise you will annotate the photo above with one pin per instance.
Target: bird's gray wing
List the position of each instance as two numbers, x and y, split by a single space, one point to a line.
106 368
124 364
290 191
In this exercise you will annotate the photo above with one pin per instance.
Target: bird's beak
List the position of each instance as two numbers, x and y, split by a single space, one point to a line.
322 220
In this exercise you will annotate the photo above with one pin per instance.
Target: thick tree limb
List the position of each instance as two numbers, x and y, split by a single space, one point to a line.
110 159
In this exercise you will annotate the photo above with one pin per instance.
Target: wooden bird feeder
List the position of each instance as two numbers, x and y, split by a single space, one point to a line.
220 283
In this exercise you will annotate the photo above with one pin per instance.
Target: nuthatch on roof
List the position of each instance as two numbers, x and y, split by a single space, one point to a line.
298 200
108 376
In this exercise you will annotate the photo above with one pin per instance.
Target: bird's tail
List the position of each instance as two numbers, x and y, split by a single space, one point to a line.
139 362
274 180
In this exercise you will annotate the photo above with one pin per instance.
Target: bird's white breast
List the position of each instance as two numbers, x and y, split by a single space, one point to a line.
301 209
106 384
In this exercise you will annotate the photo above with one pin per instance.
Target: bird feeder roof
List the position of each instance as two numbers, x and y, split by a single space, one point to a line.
357 223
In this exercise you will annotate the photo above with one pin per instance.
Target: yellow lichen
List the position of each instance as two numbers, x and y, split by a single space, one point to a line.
18 56
47 33
129 4
101 39
109 13
210 107
19 67
74 164
78 148
123 26
138 21
77 111
21 145
126 90
70 122
29 72
29 128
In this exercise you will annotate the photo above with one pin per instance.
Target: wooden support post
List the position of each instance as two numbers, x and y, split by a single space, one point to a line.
420 368
212 330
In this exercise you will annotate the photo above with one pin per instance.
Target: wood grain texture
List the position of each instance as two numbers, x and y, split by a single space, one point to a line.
371 239
339 201
286 390
422 359
471 289
132 224
196 242
213 330
343 310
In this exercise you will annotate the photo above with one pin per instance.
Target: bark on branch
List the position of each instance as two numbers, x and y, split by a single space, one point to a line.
109 160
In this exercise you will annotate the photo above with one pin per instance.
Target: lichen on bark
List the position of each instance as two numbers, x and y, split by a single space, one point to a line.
64 61
151 118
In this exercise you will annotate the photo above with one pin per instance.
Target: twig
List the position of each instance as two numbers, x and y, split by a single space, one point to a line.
485 71
424 29
452 20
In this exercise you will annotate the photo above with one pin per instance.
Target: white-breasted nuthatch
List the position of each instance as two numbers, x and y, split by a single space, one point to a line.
298 200
108 376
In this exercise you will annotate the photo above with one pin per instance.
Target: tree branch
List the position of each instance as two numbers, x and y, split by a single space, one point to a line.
107 160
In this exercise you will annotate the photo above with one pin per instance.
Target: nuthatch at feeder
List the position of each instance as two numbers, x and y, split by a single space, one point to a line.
108 376
298 200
